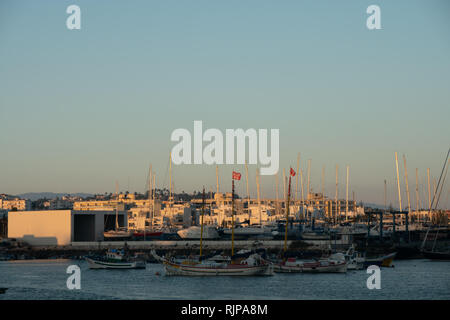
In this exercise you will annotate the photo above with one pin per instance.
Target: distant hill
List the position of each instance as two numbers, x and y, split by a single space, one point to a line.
33 196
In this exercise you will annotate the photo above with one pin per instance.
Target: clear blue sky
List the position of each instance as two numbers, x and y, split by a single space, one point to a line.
80 109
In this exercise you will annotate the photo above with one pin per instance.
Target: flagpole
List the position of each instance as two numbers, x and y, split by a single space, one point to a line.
232 216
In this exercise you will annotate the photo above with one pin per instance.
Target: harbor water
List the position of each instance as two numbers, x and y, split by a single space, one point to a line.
46 279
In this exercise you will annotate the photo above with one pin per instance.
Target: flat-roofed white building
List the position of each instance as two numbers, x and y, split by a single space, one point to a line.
61 227
15 204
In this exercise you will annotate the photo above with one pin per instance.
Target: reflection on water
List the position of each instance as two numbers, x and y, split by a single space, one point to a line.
46 279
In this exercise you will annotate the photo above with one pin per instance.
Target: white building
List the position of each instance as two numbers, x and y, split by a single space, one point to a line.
60 227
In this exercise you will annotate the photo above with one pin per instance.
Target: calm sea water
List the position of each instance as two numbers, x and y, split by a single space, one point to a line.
46 279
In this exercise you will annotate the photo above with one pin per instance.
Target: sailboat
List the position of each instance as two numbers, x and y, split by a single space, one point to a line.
119 233
254 265
333 264
152 233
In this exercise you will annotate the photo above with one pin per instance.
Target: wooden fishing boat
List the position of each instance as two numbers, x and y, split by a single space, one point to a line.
252 266
3 290
114 260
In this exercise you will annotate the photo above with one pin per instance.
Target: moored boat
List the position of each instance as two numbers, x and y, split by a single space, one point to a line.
436 255
292 265
120 234
252 266
195 233
114 260
383 261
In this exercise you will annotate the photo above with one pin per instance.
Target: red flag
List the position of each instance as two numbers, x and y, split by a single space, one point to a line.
292 172
236 176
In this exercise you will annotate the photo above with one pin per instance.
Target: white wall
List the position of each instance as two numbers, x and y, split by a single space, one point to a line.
52 227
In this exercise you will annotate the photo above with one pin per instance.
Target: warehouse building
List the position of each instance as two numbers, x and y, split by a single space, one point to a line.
61 227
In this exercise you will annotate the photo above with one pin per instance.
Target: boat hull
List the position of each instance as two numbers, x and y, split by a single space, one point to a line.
385 261
312 268
436 255
99 264
173 269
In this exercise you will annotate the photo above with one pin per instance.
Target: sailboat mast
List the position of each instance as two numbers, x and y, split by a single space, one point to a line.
417 191
217 179
296 178
154 197
308 190
323 187
150 190
170 177
429 190
346 196
117 206
258 193
301 186
276 191
232 216
248 193
336 195
287 213
407 186
398 183
201 230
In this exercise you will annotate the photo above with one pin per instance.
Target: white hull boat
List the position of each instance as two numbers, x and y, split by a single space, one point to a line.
252 232
322 266
194 233
114 260
99 264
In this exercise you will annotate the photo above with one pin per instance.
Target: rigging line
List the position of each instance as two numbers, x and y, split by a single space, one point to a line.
439 196
429 211
440 177
442 185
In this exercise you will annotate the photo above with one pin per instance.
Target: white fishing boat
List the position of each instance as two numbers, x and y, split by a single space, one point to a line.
114 259
254 265
355 260
292 265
